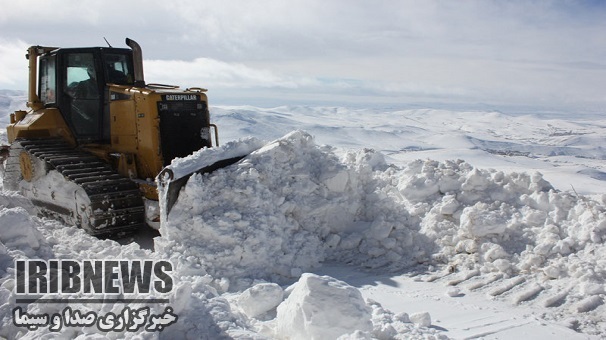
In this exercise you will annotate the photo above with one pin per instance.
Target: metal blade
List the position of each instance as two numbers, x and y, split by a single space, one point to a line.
174 186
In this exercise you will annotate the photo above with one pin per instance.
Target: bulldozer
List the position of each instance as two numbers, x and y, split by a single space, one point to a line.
96 137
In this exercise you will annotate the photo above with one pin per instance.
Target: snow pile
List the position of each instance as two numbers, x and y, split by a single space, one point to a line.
260 299
387 325
322 308
293 204
511 223
281 211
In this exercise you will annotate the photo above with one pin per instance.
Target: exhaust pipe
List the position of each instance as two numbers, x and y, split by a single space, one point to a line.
33 101
138 62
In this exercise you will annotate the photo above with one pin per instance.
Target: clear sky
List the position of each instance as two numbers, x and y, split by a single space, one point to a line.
342 52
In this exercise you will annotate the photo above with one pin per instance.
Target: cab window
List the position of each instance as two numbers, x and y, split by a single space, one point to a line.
81 76
48 82
118 69
82 105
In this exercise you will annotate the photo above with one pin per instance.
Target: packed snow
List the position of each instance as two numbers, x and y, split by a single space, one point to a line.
361 224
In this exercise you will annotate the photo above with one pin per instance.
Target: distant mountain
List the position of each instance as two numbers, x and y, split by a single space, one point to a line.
11 100
12 93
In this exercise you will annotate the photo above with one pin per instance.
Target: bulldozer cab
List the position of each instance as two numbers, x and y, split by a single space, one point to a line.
74 80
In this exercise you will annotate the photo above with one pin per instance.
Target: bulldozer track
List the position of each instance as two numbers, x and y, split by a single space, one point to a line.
116 205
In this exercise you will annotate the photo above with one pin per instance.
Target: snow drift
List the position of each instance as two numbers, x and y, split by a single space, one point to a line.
293 204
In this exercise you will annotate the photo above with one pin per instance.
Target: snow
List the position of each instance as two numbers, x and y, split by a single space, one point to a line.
364 224
321 307
422 319
205 157
260 299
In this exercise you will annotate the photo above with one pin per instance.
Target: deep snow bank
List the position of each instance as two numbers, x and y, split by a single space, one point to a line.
284 209
293 204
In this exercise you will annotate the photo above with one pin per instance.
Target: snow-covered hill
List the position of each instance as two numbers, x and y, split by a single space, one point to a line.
373 223
10 101
567 149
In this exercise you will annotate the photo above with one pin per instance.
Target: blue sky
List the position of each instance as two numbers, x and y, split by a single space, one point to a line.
501 53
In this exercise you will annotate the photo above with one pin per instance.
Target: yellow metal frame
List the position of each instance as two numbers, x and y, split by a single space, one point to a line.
44 123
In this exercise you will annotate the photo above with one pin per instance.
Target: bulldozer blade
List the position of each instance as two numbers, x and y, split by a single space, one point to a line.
173 186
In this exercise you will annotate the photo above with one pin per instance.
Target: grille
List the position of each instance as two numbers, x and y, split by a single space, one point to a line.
181 128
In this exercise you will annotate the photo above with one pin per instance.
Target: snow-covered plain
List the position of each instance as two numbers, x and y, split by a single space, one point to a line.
365 223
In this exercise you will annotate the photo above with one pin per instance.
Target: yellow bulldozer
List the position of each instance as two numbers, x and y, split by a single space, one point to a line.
96 136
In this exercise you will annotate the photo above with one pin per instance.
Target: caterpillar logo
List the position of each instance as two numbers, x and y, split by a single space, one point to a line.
180 97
